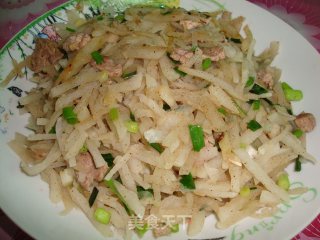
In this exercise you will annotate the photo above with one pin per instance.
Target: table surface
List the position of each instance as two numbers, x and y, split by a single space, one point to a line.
303 15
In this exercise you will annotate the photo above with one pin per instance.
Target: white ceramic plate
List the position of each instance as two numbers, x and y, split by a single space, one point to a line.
25 199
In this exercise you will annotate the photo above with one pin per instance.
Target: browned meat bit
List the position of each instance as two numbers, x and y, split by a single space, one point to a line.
181 55
161 231
215 54
114 70
305 121
45 55
266 78
86 171
76 42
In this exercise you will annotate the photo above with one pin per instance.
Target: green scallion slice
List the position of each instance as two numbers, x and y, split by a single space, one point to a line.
283 181
298 133
222 111
249 82
132 126
182 74
70 29
69 115
206 63
187 181
253 125
113 114
297 165
141 230
257 89
157 146
97 57
197 137
290 93
256 104
174 228
128 75
102 216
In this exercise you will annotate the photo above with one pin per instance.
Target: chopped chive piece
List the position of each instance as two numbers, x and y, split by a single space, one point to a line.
99 18
108 157
166 107
297 165
129 75
245 191
256 104
110 184
113 114
206 63
93 196
256 89
84 149
102 216
142 230
187 181
283 181
253 125
174 61
235 40
69 115
144 193
298 133
132 126
182 74
194 48
222 111
53 130
97 57
289 111
70 29
197 137
174 228
157 146
290 93
253 188
249 82
132 117
120 18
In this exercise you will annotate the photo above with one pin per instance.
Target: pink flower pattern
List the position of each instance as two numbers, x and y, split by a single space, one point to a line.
303 15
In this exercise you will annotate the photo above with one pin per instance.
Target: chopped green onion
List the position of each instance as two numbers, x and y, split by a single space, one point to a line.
97 57
245 191
69 115
84 149
70 29
108 157
93 196
157 146
110 184
206 63
197 137
298 133
290 93
142 230
187 181
297 165
102 216
253 125
235 40
175 228
194 48
129 75
257 89
166 107
289 111
144 193
132 126
120 17
99 18
132 117
222 111
256 104
249 82
113 114
53 130
283 181
182 74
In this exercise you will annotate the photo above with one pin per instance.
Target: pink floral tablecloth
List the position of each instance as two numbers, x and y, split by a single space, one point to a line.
303 15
